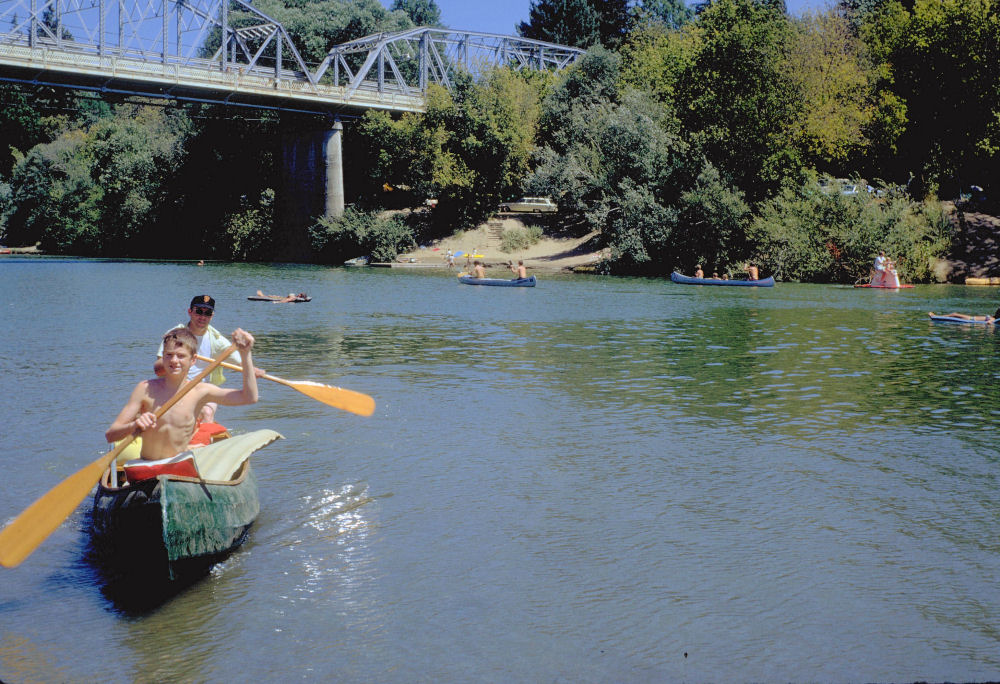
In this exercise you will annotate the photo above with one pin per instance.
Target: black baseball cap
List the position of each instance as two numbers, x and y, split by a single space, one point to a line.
203 301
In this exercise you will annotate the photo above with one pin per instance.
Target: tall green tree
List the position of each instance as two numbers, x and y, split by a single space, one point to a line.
420 12
825 63
591 80
99 191
579 23
315 26
736 97
618 163
654 58
948 73
565 22
672 14
470 150
614 19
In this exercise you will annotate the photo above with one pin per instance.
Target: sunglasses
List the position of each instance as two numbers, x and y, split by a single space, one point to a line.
204 312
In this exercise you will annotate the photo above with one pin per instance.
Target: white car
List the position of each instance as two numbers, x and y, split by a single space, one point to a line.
533 205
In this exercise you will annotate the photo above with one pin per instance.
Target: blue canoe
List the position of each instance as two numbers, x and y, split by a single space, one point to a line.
499 282
687 280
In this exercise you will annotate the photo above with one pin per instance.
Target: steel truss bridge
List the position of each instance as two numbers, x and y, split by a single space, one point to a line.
227 51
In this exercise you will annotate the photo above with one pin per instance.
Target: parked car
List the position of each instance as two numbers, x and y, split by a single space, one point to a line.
856 188
534 205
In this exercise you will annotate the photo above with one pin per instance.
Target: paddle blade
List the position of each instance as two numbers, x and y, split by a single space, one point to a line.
40 519
343 399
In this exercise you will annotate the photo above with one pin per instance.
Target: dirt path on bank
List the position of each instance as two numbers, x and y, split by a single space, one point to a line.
548 254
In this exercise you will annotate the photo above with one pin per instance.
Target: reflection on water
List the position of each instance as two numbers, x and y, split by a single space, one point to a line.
593 480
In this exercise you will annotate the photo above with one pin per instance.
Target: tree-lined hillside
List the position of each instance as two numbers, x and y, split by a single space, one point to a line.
683 137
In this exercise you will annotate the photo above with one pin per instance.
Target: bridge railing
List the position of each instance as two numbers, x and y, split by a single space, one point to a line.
229 51
408 61
219 34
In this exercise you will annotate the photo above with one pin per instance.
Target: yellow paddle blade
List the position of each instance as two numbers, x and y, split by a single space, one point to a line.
40 519
337 397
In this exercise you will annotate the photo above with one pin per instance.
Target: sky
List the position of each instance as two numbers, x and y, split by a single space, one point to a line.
502 16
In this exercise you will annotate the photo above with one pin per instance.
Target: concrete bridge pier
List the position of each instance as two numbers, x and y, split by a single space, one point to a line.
334 157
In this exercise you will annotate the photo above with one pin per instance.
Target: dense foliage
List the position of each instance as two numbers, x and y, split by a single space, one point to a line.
678 139
361 233
813 233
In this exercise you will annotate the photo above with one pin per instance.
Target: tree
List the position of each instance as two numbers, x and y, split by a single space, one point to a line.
579 23
825 63
565 22
672 14
98 191
315 26
420 12
946 72
811 235
470 150
591 80
736 97
620 165
654 58
614 18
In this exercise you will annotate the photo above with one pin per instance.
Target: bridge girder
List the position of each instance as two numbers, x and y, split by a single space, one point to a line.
425 55
229 51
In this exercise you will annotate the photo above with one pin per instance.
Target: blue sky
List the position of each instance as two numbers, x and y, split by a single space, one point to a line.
501 16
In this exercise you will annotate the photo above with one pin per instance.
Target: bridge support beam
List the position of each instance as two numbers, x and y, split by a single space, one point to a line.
333 152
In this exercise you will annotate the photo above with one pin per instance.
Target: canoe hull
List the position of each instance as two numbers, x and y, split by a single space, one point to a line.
687 280
498 282
170 526
173 525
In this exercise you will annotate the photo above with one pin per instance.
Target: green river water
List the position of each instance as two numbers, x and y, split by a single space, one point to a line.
595 480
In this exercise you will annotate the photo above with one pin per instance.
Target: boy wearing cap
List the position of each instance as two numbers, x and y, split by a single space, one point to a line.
210 343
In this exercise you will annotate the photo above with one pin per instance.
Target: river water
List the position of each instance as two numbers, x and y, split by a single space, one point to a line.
596 480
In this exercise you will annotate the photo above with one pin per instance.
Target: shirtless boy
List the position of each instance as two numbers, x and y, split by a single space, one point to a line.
168 436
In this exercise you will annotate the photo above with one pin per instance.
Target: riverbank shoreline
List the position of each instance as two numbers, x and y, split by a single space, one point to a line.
549 255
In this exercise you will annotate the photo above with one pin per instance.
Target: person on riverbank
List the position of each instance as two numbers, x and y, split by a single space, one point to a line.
450 259
169 435
209 343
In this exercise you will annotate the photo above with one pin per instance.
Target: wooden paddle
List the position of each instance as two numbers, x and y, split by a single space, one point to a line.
337 397
40 519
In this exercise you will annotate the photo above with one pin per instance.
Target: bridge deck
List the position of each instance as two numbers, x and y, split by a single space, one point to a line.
200 80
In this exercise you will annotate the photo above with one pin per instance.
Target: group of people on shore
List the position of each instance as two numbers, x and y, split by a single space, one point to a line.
176 364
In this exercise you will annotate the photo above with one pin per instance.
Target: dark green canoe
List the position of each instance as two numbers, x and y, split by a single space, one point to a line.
171 526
